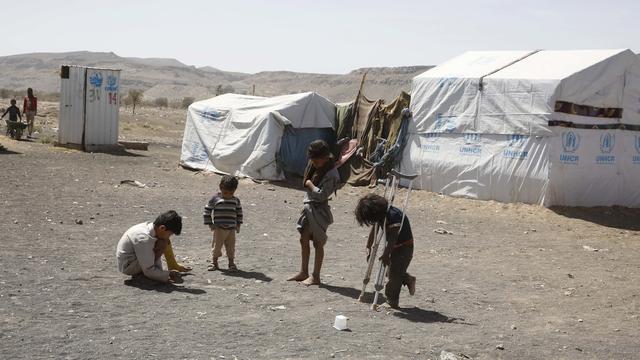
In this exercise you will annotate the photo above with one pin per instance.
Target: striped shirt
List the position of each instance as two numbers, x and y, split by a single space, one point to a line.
224 213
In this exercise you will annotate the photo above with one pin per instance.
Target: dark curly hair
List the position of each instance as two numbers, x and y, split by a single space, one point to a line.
371 209
318 149
171 220
229 182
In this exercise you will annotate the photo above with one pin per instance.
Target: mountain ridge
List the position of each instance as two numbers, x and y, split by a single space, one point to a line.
172 79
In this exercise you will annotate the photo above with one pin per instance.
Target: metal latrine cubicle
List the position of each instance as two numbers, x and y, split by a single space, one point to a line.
88 107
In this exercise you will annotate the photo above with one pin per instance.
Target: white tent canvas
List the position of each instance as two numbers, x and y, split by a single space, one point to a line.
543 127
241 134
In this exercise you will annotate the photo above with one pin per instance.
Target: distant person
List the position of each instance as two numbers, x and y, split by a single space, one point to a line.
397 255
321 179
141 247
30 109
223 215
13 111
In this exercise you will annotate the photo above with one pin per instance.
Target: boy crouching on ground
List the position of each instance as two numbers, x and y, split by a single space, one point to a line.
141 247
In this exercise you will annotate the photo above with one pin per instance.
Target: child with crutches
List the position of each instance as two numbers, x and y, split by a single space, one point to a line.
373 210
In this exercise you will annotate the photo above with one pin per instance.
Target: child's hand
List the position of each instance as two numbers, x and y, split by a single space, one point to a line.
212 227
385 258
175 277
309 184
238 229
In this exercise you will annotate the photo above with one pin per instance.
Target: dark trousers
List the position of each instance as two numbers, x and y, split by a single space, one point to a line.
398 275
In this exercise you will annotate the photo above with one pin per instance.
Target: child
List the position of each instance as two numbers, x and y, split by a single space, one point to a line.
30 109
140 248
372 210
223 214
320 180
14 112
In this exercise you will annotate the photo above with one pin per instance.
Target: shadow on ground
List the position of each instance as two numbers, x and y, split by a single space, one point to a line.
247 275
618 217
6 151
143 283
416 314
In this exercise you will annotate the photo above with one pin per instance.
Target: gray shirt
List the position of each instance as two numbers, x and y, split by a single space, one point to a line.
137 245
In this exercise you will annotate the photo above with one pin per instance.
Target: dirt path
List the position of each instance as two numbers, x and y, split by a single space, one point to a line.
519 277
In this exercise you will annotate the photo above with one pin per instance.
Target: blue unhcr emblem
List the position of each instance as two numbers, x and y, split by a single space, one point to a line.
433 137
96 79
470 139
607 142
516 140
570 141
112 83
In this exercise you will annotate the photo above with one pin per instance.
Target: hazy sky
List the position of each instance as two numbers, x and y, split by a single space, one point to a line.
314 36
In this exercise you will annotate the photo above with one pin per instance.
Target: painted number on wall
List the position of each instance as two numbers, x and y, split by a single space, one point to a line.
94 95
113 98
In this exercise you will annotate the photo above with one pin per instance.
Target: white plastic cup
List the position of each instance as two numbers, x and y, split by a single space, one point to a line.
341 322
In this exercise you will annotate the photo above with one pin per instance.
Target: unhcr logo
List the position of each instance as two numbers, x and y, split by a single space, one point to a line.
516 140
431 143
512 151
636 144
570 141
607 143
112 83
95 79
471 139
472 145
570 144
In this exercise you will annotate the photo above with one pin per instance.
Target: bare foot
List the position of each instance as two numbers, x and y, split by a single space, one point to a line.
412 285
388 306
213 267
311 280
183 268
299 277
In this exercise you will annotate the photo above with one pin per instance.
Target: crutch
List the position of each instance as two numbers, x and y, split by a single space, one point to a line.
378 234
382 270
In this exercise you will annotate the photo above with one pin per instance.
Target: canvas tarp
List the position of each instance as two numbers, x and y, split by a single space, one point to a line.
371 120
543 127
242 135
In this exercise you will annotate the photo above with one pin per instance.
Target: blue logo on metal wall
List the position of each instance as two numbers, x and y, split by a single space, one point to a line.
112 83
430 145
95 79
514 142
570 143
607 143
472 145
636 144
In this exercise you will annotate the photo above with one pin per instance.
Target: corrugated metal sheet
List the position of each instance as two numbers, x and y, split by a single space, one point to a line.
89 106
101 126
71 119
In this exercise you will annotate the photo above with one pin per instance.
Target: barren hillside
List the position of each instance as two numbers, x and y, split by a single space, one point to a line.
174 80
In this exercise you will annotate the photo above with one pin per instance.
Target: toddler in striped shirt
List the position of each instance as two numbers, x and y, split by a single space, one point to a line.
223 215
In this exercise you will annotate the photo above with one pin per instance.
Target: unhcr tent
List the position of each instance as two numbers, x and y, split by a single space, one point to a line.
257 137
542 127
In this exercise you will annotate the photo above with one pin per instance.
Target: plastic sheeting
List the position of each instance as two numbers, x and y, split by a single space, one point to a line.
507 168
242 135
484 127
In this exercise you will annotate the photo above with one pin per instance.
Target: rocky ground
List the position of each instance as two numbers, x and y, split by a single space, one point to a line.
506 281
